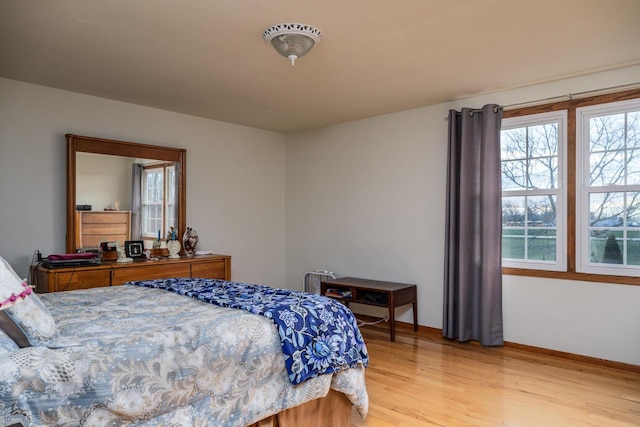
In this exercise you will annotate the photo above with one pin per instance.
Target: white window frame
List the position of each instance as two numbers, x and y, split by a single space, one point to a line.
559 117
145 203
583 189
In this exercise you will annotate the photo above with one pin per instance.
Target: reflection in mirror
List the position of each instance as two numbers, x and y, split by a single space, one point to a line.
136 199
123 191
103 182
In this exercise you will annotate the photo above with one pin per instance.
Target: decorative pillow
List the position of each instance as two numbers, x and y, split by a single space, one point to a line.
31 316
7 345
11 287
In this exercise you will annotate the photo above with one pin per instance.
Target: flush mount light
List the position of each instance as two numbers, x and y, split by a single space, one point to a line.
291 40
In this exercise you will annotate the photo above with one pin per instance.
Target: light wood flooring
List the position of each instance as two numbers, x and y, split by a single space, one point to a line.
423 380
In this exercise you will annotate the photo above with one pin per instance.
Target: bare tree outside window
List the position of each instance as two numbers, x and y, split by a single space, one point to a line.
614 169
583 186
530 189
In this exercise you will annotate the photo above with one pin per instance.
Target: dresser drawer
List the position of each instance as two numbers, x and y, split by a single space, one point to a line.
209 270
106 217
150 272
72 280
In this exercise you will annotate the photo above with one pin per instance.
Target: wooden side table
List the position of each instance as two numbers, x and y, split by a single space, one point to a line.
376 293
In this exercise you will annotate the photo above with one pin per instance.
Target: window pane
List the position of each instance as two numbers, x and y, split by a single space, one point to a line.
633 129
615 237
513 211
543 140
171 185
633 209
171 209
541 244
606 209
607 168
513 243
541 234
529 234
514 175
513 143
633 248
633 167
513 217
541 211
544 173
530 157
154 186
606 246
606 133
151 219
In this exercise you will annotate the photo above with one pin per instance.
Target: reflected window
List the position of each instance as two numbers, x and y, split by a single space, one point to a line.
158 200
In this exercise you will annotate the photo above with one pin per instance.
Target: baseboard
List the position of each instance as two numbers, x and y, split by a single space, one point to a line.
432 333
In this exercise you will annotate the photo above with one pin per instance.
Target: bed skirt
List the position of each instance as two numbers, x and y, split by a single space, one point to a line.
332 410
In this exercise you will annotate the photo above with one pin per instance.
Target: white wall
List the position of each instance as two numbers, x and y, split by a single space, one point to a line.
363 198
366 199
103 180
235 175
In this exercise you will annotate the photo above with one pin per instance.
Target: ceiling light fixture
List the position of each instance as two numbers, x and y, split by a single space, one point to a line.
292 41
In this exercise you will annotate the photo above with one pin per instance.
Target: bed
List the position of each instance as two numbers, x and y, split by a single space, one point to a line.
140 355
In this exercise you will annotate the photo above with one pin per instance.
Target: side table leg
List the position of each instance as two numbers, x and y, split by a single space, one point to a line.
415 317
392 322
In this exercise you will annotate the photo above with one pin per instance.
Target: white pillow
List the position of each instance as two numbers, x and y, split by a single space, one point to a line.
30 315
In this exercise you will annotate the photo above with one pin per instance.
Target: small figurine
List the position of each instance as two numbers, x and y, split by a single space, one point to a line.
190 241
122 256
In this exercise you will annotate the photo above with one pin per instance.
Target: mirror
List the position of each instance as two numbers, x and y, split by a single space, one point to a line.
116 157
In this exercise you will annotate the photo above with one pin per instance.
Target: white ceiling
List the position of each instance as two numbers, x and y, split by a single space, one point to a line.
207 57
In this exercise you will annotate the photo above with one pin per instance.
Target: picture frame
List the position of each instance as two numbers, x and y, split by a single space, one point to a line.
134 249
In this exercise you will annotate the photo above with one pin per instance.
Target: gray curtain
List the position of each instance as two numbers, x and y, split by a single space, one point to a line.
136 201
473 250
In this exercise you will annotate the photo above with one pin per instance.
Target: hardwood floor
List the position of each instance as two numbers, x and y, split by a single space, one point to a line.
424 380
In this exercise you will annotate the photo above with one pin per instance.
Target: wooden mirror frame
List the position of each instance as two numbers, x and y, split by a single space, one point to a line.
86 144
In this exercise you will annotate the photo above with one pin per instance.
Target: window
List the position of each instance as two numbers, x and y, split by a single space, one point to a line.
608 222
158 200
571 189
533 193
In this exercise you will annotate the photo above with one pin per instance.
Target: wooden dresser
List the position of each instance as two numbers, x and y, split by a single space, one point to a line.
111 273
94 227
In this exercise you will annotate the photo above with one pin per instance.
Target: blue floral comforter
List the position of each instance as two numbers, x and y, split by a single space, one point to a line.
150 358
318 335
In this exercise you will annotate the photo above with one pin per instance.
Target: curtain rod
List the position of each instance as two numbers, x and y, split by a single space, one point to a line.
576 95
569 97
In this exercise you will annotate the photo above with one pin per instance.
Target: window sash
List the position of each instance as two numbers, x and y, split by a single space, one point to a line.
158 200
532 232
592 238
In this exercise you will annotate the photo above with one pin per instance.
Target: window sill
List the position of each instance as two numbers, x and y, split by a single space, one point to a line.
572 275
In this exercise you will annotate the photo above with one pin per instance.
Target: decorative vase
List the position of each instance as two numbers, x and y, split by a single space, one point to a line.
174 248
190 241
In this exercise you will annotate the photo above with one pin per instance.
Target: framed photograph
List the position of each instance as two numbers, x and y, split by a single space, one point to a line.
134 249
